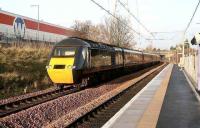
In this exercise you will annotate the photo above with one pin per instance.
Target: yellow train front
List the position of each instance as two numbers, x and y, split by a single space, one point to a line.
66 61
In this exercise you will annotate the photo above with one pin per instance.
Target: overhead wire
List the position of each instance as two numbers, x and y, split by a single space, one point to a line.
117 18
128 10
189 23
167 32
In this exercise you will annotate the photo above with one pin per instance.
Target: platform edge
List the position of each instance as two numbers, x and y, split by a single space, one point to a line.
122 110
191 86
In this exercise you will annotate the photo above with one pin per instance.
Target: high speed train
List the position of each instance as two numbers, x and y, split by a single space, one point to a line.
80 61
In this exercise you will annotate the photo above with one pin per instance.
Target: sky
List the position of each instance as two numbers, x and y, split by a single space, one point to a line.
157 15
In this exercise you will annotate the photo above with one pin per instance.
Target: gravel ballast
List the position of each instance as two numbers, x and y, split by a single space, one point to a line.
24 96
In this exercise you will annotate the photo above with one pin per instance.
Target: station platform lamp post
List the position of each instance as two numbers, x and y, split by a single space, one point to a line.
38 18
196 41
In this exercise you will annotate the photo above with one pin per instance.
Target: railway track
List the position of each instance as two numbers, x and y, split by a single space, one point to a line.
18 105
102 113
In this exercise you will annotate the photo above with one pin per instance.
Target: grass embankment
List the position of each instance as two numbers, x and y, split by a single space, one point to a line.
22 69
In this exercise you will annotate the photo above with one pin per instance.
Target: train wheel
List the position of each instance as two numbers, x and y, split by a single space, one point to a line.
61 86
78 86
84 82
56 85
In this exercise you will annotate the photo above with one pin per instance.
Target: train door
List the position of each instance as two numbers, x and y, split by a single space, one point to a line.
142 57
123 56
89 58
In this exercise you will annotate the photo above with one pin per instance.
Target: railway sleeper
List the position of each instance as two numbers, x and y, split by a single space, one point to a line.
28 101
15 105
7 107
34 99
2 107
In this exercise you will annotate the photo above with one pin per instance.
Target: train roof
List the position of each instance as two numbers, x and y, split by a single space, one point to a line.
76 41
146 53
72 42
92 44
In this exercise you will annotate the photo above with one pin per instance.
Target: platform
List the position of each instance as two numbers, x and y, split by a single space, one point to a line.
166 102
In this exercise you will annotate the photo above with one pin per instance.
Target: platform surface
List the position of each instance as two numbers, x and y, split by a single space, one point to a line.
130 115
180 108
166 102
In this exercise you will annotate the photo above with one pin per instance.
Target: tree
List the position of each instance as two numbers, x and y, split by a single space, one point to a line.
118 32
83 27
112 31
149 48
92 32
172 48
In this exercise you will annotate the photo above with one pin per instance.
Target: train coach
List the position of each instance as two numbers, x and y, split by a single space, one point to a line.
81 62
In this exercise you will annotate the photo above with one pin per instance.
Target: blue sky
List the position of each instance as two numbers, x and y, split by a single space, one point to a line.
156 15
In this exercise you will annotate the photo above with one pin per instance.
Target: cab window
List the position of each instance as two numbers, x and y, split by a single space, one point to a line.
64 51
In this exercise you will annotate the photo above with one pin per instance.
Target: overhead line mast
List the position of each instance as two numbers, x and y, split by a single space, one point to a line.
188 25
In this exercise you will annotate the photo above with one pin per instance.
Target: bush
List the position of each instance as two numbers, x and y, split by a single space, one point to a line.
22 69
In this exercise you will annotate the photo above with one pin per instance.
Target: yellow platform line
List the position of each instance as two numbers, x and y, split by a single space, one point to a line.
150 117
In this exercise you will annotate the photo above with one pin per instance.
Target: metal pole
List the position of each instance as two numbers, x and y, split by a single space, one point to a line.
176 57
137 8
38 26
38 20
114 7
183 53
198 77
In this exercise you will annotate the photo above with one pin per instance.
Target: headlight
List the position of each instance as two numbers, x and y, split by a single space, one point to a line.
71 67
48 66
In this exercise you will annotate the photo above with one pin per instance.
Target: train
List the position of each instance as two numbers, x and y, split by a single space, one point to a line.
78 61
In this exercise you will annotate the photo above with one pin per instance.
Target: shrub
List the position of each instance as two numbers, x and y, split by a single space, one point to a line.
23 67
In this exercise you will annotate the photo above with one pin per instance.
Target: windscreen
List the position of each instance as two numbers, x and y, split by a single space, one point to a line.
64 51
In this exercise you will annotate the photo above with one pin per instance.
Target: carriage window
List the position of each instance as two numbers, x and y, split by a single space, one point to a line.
64 51
100 58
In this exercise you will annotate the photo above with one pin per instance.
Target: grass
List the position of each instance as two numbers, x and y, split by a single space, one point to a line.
22 69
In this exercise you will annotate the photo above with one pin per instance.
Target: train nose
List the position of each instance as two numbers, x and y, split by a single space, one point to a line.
60 70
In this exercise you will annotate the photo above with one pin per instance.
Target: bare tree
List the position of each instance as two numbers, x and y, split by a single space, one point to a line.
119 33
112 31
149 48
83 27
92 32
